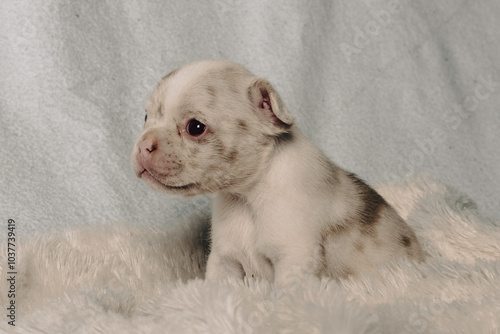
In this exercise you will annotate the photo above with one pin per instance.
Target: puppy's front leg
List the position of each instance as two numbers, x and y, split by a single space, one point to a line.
296 264
232 232
221 267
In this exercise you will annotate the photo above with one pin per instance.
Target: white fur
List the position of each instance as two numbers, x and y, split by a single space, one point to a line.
282 210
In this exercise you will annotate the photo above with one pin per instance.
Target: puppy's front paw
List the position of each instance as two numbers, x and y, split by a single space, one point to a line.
222 268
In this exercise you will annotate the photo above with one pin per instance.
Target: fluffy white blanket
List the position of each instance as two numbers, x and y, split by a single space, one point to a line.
124 279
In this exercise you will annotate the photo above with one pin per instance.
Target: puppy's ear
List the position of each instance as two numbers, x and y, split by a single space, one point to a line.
269 104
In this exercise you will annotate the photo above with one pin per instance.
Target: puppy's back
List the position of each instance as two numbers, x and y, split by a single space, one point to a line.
370 233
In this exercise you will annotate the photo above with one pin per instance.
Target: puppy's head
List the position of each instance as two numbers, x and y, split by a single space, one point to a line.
210 125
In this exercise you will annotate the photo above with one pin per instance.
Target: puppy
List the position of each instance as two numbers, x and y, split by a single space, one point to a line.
281 209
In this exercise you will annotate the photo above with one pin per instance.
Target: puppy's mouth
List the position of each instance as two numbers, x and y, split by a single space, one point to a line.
151 177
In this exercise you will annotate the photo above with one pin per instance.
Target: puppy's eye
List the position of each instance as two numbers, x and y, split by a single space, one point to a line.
145 118
195 128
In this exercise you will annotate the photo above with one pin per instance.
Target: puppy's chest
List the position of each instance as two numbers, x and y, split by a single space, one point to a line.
245 233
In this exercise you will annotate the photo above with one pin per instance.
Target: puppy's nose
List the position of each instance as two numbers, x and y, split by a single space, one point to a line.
148 145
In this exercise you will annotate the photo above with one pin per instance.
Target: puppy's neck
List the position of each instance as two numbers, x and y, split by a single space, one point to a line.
286 167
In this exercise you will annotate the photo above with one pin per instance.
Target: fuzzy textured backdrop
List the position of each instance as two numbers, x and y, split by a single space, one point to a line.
121 279
386 88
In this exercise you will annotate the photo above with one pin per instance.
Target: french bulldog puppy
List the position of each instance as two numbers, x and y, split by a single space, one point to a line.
281 208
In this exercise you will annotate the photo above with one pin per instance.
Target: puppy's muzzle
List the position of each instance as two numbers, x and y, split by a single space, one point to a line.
155 156
147 149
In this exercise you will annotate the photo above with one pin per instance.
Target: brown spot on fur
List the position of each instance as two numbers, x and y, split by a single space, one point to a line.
234 199
405 241
368 214
360 247
231 157
345 272
159 110
335 230
331 231
269 262
212 92
242 125
218 146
